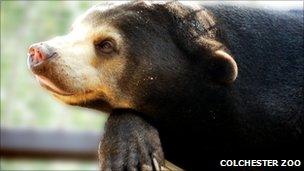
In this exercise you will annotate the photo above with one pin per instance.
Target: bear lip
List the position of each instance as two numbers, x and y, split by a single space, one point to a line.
49 85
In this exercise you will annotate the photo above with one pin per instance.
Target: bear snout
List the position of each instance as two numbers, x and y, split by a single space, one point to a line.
39 53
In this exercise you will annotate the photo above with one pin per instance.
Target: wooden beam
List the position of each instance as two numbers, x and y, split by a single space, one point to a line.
49 144
28 143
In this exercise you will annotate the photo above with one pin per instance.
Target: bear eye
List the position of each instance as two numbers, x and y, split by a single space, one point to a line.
105 46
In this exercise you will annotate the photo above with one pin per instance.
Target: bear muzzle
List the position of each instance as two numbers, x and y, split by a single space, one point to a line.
49 85
39 62
39 53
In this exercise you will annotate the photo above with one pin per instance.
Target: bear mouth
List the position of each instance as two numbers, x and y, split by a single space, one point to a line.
49 85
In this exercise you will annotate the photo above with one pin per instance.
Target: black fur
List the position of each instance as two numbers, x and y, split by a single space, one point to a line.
201 121
129 143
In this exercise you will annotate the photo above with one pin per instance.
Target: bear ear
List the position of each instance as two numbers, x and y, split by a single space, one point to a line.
195 32
222 68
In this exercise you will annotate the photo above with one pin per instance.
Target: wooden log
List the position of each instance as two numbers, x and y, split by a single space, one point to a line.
27 143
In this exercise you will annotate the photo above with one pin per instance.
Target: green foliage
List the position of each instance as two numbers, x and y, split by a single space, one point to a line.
23 102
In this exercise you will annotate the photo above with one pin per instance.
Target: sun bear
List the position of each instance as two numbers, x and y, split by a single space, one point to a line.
191 84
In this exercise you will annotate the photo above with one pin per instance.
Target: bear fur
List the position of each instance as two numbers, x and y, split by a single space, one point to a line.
208 83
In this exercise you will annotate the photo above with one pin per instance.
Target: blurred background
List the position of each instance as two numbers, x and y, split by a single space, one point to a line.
27 111
37 131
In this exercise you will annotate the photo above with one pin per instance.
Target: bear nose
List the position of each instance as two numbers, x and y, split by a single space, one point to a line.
40 52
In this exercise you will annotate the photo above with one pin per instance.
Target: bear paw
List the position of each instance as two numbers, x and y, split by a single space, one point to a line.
129 143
